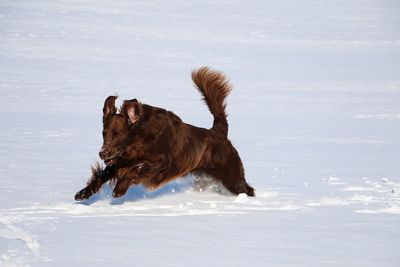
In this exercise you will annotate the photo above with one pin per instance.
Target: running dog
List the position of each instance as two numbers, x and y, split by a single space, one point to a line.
148 145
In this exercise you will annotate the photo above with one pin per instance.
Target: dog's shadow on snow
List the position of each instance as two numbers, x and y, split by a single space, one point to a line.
139 192
136 193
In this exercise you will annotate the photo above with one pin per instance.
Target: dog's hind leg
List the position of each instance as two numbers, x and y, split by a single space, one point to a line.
234 182
231 174
99 177
236 185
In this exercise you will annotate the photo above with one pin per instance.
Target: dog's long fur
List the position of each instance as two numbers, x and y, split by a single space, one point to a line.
147 145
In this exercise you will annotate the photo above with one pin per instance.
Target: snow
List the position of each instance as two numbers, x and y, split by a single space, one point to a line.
314 113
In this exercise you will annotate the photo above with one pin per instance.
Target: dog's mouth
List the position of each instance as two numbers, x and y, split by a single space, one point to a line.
111 160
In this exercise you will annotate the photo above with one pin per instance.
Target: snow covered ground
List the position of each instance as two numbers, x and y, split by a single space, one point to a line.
315 115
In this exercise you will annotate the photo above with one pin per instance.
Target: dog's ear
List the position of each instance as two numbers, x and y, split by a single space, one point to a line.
132 110
109 106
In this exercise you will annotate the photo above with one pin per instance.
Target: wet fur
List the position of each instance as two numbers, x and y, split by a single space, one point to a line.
148 145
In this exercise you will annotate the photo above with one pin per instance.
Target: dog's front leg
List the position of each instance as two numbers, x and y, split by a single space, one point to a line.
132 176
136 175
99 177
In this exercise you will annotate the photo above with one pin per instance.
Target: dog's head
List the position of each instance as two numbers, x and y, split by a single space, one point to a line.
117 128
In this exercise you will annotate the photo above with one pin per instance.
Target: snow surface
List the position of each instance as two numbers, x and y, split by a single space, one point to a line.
315 115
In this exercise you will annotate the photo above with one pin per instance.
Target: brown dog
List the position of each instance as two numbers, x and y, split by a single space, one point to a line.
148 145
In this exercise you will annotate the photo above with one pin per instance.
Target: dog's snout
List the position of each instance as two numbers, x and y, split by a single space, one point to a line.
102 153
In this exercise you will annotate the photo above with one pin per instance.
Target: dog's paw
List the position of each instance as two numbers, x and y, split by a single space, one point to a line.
85 193
119 192
121 188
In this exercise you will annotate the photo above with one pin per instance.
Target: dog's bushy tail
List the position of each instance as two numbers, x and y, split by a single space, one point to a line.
214 87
